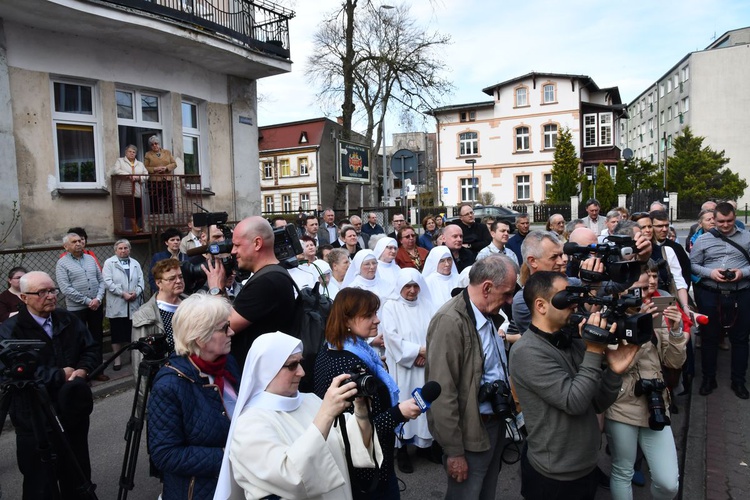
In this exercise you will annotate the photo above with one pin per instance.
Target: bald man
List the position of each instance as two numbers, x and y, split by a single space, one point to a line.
266 302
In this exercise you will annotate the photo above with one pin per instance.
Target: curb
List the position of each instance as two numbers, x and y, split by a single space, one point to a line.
694 472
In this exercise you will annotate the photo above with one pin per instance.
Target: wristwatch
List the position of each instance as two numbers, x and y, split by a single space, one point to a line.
215 291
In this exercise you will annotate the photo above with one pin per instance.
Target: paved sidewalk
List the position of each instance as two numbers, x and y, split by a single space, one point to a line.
717 457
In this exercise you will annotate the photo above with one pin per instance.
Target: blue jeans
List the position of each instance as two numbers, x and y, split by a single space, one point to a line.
658 448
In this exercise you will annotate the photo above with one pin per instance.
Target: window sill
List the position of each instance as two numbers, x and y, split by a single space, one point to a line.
524 106
83 191
468 157
549 103
523 152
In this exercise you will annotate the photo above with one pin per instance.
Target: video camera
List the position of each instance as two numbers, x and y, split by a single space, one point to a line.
613 253
192 272
635 328
20 358
153 347
286 245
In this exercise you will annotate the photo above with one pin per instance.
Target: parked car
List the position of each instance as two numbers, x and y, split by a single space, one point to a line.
503 213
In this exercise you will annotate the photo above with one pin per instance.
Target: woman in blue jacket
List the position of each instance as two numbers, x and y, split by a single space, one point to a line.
193 398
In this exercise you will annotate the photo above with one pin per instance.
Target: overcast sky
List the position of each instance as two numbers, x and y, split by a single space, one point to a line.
628 44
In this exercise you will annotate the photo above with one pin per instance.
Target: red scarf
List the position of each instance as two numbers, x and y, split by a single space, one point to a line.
217 369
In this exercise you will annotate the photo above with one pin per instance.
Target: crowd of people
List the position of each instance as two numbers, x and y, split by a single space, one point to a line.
235 412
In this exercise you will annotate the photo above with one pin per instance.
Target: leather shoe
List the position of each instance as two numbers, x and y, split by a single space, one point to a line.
403 461
707 386
740 391
101 377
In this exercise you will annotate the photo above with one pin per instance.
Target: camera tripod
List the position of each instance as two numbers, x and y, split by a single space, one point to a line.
155 353
32 394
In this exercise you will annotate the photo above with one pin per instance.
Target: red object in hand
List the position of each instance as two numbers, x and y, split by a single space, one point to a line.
701 319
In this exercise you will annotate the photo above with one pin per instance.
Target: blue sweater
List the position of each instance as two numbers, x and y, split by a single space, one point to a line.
187 429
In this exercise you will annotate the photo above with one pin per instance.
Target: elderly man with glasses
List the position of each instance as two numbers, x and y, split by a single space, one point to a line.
68 356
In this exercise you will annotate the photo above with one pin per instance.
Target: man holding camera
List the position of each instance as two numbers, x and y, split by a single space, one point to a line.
68 356
465 353
561 385
266 302
720 259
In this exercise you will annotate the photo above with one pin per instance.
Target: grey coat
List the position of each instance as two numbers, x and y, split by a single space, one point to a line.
117 282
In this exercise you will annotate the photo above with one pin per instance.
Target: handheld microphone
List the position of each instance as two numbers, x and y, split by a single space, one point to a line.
426 395
701 319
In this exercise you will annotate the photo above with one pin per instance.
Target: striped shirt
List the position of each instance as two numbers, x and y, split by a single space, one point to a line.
80 281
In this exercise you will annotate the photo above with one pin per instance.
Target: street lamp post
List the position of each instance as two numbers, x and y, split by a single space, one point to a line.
472 162
382 125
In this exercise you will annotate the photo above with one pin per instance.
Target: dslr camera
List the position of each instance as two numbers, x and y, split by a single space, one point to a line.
497 393
652 388
366 384
728 274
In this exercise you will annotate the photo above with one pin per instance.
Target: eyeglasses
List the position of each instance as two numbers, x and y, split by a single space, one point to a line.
42 294
292 365
224 328
172 279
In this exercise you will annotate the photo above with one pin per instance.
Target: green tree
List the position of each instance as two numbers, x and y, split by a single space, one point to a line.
699 173
605 188
637 174
565 170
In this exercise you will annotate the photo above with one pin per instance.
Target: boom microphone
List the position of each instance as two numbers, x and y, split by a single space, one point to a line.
426 395
197 250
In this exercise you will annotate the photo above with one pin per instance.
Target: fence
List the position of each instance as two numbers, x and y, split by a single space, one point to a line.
543 211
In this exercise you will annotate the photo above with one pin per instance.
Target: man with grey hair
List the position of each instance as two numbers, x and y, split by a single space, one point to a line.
81 283
656 205
556 223
372 227
362 238
593 220
266 301
329 225
522 229
613 217
68 356
464 352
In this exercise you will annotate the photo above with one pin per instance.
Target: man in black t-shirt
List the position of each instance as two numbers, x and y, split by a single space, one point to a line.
266 302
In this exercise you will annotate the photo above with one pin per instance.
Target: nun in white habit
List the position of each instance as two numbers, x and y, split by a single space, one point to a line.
363 273
282 442
440 274
404 322
385 252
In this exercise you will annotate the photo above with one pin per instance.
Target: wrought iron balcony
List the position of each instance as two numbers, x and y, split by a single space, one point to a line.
147 205
256 24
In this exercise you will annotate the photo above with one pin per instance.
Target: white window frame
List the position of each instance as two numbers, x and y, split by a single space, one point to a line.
303 165
686 104
669 85
197 133
550 137
467 145
523 135
590 122
676 81
547 185
270 206
78 119
466 189
137 120
281 168
606 124
669 113
304 201
267 169
552 98
517 96
661 90
661 117
686 73
286 202
523 186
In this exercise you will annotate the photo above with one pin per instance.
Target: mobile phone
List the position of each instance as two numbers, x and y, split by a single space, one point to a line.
661 303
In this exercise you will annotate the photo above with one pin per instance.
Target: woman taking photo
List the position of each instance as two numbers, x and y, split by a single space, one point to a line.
353 319
193 399
409 254
282 443
630 421
123 278
10 299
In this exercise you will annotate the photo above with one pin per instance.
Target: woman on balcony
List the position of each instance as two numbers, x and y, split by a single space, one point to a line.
129 188
160 164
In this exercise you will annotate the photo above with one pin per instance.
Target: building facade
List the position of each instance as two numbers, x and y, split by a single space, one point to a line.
85 78
298 163
703 90
509 142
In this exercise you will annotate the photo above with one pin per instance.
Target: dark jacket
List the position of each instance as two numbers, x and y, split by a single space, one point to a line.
71 345
187 428
477 236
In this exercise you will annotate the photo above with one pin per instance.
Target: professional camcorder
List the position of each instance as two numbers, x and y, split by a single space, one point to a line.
366 384
497 393
635 328
286 245
20 358
153 347
652 388
613 253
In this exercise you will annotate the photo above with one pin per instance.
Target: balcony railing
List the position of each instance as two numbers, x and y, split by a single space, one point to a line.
146 205
256 24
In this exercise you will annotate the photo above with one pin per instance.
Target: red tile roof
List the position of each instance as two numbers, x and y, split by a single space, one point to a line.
287 135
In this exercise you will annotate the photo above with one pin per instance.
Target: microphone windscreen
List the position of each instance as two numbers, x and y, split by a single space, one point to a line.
701 319
431 391
197 251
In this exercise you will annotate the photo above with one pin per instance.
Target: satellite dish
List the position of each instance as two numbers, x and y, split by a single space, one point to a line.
627 153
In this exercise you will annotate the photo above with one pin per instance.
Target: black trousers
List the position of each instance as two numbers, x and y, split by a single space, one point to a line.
40 479
536 486
93 321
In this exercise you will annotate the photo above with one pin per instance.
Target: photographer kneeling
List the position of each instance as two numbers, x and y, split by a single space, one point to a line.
281 443
561 384
641 411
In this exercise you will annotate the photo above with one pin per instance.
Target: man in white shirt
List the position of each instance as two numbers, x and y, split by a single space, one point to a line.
500 231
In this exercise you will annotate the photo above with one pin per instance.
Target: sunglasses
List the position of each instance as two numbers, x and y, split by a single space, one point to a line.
292 365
